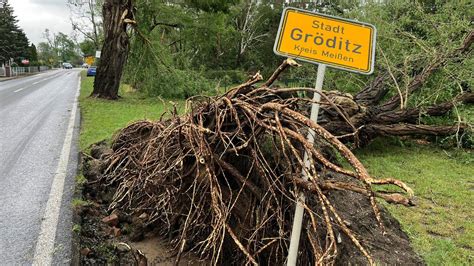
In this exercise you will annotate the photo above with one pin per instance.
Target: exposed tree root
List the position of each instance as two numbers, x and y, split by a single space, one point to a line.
222 180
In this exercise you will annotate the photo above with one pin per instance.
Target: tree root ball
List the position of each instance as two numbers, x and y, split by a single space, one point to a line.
222 181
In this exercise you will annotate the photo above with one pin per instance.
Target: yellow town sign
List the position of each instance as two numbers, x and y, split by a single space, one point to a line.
323 39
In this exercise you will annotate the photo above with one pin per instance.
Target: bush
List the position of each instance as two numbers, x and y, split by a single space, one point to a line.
169 82
227 77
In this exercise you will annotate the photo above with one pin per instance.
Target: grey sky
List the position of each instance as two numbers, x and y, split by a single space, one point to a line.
35 16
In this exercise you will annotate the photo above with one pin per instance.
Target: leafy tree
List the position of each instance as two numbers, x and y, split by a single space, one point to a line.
211 5
87 47
86 19
66 47
226 41
47 54
32 53
58 47
21 50
13 41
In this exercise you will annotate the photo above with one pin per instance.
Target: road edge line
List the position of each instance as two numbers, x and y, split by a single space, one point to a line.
45 244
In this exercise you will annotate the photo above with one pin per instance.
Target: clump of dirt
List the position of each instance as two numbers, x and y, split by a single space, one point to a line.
117 238
389 245
102 244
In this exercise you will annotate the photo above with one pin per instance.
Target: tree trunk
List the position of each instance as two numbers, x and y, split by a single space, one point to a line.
366 115
116 13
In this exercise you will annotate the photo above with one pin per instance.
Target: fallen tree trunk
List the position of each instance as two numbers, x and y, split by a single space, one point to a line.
366 115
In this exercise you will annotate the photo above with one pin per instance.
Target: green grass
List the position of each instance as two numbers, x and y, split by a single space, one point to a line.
80 179
441 225
102 118
76 228
76 202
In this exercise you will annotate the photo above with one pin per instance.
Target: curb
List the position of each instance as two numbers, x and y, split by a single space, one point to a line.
76 217
9 78
24 76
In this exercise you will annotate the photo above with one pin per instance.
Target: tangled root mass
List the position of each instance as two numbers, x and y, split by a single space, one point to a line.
223 179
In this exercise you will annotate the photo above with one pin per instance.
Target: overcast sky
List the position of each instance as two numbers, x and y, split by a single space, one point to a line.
34 16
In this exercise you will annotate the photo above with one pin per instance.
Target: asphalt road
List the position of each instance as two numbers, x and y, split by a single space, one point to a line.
38 163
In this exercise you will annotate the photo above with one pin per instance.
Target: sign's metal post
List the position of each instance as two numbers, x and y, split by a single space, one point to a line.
299 211
328 41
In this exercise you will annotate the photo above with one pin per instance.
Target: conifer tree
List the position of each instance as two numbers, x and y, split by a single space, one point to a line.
13 41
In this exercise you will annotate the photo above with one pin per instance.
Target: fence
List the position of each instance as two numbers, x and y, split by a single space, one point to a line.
18 71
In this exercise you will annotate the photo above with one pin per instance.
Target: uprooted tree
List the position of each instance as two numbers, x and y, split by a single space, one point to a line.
222 180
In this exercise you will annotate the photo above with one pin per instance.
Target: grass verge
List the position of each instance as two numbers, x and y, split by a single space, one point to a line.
440 226
102 118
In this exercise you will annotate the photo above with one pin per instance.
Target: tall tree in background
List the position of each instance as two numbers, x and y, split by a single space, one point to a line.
13 41
46 54
58 47
117 16
32 53
247 26
21 49
87 47
66 47
86 19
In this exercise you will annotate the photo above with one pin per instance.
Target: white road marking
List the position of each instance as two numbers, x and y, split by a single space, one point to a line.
34 83
45 245
20 89
45 79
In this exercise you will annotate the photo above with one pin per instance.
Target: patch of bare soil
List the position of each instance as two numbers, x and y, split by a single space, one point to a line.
117 238
103 241
388 247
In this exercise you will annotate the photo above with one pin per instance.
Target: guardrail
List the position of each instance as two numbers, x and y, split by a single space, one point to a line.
18 71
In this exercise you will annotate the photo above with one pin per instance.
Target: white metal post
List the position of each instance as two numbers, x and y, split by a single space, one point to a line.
298 217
